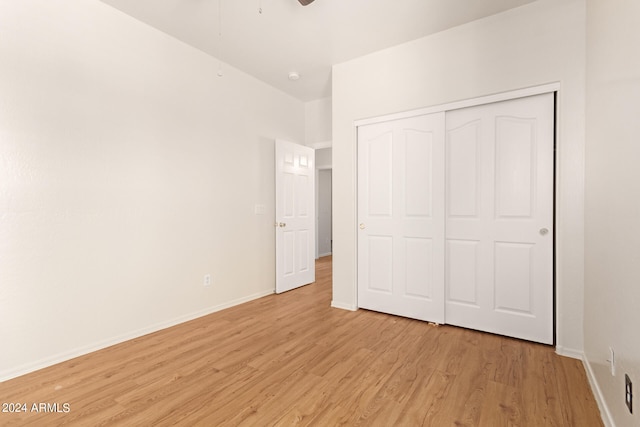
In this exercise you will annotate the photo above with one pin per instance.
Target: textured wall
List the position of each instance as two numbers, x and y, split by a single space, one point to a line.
612 213
318 121
128 170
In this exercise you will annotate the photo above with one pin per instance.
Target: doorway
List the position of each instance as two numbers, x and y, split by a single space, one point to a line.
324 222
325 240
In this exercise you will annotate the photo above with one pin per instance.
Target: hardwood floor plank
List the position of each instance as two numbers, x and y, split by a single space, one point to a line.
576 407
292 360
501 407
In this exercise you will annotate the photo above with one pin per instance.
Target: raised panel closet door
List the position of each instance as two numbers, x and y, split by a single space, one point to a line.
499 218
401 217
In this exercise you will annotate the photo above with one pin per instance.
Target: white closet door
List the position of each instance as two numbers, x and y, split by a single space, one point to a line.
499 218
401 217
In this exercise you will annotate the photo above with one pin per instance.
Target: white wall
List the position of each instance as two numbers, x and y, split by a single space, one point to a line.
323 158
318 121
612 214
539 43
128 170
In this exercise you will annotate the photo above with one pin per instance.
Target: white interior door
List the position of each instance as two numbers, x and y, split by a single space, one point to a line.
295 216
401 217
499 218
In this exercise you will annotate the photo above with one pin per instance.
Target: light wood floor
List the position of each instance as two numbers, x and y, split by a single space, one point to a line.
292 360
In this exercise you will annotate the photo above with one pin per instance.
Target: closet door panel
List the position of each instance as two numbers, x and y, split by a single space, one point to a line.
401 203
511 146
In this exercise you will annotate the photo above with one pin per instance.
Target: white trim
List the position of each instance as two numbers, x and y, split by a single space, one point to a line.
325 254
354 225
343 306
482 100
81 351
321 145
605 414
569 352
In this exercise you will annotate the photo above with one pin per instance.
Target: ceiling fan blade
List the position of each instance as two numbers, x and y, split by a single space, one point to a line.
305 2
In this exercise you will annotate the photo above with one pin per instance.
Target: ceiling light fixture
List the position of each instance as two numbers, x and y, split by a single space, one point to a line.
293 76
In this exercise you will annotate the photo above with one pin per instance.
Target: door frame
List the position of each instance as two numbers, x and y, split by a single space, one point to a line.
473 102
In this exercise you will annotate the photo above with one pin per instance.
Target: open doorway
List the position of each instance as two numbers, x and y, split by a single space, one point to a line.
324 240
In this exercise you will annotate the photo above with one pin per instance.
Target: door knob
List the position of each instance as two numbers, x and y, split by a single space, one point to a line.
544 231
282 224
362 226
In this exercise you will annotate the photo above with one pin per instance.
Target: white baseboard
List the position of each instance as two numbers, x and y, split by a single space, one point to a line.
324 254
342 306
81 351
605 414
569 352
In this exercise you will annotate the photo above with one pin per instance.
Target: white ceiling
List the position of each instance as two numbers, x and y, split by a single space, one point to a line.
307 39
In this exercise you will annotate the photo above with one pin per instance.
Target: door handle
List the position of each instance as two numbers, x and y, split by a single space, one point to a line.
282 224
544 231
362 226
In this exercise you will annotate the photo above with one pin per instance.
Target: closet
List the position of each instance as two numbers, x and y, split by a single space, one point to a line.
455 217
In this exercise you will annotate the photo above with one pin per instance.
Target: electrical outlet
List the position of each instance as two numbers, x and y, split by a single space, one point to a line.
628 393
207 280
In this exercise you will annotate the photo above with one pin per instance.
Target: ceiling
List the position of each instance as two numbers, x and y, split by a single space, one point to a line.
286 36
